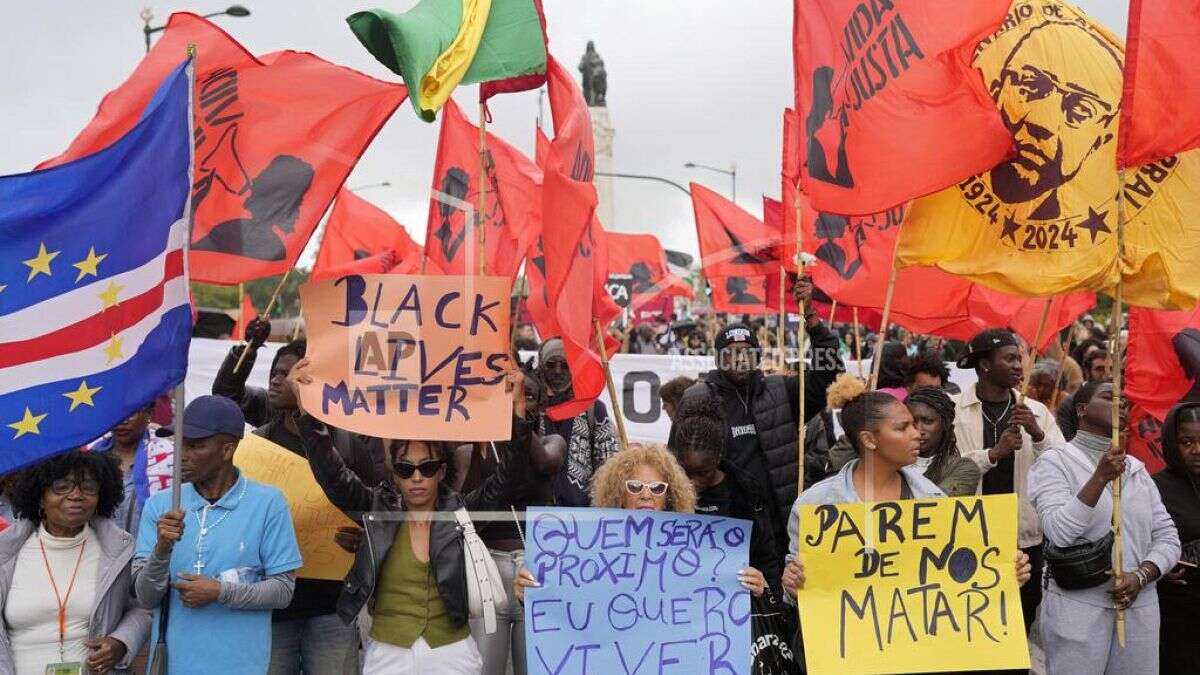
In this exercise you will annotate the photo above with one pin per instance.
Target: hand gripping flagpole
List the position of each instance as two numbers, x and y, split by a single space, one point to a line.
266 316
612 389
1115 323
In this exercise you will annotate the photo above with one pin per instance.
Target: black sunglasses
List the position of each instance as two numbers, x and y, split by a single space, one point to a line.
427 468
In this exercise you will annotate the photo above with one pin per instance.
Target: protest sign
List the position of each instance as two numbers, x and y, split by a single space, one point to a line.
398 356
315 519
636 592
925 585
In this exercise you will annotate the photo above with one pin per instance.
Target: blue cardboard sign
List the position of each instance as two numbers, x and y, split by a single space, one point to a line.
636 593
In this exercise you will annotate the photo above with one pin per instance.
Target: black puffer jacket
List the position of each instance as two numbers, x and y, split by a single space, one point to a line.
377 509
773 401
764 554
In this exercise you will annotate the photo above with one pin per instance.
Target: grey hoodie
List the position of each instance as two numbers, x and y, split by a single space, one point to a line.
1147 532
114 614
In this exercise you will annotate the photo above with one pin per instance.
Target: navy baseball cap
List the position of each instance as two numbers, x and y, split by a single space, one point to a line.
209 416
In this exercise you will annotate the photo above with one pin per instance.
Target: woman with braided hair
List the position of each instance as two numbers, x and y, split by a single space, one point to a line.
933 416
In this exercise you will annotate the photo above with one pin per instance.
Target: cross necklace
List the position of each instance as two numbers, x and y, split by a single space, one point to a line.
202 520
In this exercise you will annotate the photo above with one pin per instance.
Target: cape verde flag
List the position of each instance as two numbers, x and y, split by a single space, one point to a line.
94 314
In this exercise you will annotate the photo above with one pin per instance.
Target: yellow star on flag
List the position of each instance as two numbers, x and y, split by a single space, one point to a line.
113 350
27 424
41 263
83 395
109 296
88 265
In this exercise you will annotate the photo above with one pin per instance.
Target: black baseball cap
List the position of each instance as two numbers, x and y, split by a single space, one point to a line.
987 341
736 332
208 416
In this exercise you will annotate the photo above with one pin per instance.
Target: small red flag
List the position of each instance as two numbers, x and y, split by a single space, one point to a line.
637 264
358 229
378 263
574 248
885 85
245 315
1160 104
1145 438
275 139
1163 363
733 243
513 205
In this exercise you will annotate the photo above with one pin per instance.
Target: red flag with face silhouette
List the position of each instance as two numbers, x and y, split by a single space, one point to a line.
1160 102
275 139
358 229
513 203
638 264
891 105
733 243
740 295
573 243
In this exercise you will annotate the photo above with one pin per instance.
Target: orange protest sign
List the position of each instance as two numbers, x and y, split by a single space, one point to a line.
417 357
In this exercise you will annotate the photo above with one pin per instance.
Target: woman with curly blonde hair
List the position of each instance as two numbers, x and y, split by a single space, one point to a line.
646 478
630 480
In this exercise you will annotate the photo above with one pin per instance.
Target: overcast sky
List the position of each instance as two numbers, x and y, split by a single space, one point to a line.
688 80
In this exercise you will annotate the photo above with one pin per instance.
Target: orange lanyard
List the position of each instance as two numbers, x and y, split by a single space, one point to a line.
62 602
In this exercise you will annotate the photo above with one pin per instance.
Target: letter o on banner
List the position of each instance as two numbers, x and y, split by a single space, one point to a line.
628 389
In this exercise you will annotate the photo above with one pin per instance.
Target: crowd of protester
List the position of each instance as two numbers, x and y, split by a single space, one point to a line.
97 569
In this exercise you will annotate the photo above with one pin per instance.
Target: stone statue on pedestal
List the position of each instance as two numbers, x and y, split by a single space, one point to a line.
595 78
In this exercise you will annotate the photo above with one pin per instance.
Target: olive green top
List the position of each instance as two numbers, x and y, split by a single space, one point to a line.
407 603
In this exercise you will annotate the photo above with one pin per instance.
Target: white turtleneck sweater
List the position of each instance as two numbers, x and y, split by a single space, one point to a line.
31 610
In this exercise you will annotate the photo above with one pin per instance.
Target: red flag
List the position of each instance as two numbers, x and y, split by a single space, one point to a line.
245 315
892 107
1163 363
275 139
1145 438
790 175
573 244
741 295
1160 104
358 229
638 263
538 299
520 82
379 263
733 243
513 207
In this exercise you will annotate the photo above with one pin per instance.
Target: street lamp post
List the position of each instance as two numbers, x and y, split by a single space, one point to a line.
637 176
368 186
147 16
731 172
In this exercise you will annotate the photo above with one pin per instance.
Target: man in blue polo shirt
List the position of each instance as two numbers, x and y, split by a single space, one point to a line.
229 553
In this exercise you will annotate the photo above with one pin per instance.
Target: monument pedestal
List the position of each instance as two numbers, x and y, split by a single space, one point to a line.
602 133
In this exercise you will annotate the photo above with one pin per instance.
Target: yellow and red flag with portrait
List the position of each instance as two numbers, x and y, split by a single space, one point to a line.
1044 221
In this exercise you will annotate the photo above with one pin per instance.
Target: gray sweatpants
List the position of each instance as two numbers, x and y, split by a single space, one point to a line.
1082 638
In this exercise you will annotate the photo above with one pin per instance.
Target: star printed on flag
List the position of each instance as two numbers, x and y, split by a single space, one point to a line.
108 297
89 264
113 350
82 396
28 424
40 264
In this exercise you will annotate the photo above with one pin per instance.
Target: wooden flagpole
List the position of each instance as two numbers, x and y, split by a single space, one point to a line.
1062 363
801 346
481 217
612 390
266 315
1116 324
780 336
832 311
1031 353
858 345
883 324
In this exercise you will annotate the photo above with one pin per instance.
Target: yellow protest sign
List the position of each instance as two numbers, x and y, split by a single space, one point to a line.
925 585
316 520
400 356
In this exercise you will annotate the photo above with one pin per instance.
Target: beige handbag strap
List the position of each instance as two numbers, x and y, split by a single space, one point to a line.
478 557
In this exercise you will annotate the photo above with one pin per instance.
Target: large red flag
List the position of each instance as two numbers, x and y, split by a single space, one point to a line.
733 243
538 298
572 240
513 206
892 107
358 229
275 139
637 265
1160 101
790 175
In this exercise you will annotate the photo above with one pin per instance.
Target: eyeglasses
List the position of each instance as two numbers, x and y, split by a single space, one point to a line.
637 487
427 468
64 486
